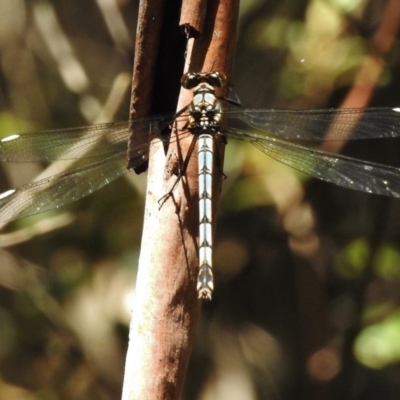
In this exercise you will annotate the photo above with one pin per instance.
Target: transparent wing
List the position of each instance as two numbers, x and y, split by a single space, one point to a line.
344 171
73 143
70 143
64 188
61 189
342 123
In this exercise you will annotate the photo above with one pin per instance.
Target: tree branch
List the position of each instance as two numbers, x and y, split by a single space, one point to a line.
166 307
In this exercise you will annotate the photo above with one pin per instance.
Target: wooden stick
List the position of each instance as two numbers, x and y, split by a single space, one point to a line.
166 307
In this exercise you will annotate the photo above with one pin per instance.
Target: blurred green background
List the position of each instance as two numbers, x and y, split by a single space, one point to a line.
307 273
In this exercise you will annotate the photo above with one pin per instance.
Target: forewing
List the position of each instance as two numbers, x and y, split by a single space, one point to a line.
93 141
314 125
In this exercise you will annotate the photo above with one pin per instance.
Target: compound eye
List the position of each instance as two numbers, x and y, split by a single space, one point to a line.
190 80
216 79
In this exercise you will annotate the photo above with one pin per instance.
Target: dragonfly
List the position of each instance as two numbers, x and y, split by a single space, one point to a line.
285 135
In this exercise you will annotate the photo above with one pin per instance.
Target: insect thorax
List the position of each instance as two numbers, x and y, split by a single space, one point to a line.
205 108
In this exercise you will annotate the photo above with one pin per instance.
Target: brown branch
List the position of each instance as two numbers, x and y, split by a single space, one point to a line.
144 68
166 307
146 50
192 16
369 73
